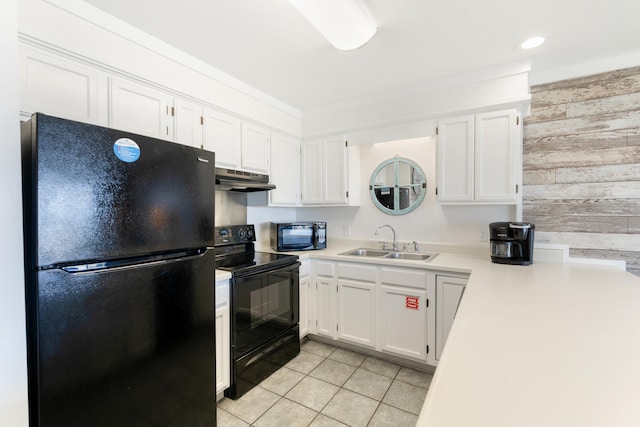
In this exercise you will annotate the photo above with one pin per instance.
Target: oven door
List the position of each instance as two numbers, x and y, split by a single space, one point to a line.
264 305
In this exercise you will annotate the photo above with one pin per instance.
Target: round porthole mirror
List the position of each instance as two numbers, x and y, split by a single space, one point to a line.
397 186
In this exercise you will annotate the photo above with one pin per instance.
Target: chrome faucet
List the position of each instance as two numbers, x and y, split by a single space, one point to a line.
395 244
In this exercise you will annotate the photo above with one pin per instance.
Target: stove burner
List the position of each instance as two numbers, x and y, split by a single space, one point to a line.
235 252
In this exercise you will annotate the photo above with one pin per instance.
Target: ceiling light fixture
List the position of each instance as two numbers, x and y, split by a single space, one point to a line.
346 24
532 42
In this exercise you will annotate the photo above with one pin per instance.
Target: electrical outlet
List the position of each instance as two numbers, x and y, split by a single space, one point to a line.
346 230
484 236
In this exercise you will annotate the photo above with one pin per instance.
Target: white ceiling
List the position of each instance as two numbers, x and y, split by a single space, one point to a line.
270 46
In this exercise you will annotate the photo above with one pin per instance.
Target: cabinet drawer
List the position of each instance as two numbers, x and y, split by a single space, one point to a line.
365 273
404 277
304 267
323 268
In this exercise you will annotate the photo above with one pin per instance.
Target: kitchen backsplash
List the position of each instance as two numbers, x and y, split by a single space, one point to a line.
231 208
581 165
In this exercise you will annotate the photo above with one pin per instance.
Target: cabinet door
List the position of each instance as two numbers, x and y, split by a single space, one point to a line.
57 86
455 159
223 349
311 171
222 135
356 312
404 322
304 306
140 109
449 291
188 123
334 157
497 156
285 171
223 337
255 148
325 306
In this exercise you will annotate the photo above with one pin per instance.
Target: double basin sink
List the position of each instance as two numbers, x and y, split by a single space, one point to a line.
381 253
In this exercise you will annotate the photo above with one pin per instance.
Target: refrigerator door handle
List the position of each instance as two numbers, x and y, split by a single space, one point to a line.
97 267
102 267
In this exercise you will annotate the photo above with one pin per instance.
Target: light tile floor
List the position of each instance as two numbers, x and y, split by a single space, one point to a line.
329 386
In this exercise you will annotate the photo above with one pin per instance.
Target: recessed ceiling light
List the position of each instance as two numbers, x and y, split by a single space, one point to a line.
532 42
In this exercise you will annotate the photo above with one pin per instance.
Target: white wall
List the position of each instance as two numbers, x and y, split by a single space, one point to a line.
13 366
430 222
260 215
412 115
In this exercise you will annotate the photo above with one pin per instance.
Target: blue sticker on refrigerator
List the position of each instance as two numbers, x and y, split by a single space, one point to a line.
126 150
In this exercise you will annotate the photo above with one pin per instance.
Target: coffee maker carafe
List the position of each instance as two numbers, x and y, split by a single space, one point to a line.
512 242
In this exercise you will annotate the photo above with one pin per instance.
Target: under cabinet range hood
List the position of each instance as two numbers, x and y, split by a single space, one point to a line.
236 180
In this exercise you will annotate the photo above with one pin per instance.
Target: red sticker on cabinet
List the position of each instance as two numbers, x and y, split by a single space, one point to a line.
411 302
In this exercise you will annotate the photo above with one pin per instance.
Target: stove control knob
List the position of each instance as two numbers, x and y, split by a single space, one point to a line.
241 233
249 233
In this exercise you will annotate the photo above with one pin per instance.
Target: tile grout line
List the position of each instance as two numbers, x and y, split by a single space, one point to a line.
341 387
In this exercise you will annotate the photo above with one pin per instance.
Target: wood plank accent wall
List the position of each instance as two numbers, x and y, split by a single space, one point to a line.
581 165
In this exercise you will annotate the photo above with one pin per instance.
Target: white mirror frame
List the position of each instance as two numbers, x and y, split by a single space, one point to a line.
417 188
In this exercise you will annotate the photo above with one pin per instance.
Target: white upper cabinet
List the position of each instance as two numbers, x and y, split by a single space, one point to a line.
57 86
334 156
140 109
210 129
455 159
222 136
188 127
498 157
329 172
285 171
479 158
311 169
256 152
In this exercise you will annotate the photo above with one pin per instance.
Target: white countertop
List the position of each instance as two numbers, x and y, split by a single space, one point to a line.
222 275
546 345
551 344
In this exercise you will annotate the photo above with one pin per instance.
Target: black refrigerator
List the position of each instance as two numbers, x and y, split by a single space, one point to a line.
119 268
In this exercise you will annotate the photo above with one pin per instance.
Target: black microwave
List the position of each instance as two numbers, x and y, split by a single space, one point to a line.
298 236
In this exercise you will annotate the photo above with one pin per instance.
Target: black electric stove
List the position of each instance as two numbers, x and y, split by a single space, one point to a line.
235 252
264 307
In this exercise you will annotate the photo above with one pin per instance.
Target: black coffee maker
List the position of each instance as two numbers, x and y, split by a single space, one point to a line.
512 242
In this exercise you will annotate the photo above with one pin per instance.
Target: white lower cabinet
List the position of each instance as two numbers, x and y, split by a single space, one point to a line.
373 306
325 306
404 303
404 320
324 298
356 312
223 337
304 297
356 304
449 291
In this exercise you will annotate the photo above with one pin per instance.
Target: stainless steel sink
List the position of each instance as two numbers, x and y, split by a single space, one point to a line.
365 252
414 256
